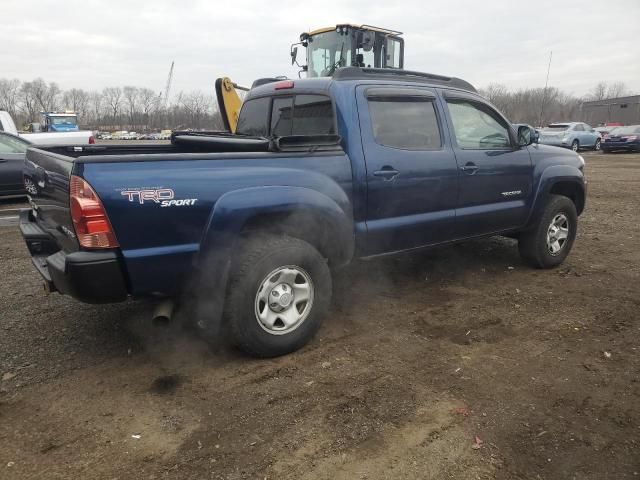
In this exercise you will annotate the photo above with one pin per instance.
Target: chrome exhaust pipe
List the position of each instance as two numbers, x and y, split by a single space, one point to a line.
163 312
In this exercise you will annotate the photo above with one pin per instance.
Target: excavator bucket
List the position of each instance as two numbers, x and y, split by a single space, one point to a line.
229 102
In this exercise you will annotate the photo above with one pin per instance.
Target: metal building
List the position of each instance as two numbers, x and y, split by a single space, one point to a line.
625 110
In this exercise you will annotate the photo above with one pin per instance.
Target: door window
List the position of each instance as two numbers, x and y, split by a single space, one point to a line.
578 128
12 145
408 123
477 126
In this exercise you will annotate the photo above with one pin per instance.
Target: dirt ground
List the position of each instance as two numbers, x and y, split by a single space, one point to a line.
460 362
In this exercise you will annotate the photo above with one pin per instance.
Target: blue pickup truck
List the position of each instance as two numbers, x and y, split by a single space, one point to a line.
321 171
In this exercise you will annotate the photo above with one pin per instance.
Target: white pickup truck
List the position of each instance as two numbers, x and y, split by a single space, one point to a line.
82 137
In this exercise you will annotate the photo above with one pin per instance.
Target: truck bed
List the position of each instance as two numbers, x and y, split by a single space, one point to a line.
199 142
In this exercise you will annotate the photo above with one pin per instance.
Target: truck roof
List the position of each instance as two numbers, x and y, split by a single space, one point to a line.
346 74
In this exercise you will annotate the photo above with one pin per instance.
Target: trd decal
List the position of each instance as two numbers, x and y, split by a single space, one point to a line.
163 196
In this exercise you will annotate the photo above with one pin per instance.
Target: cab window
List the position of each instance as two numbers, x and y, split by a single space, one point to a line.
408 123
477 127
291 115
254 117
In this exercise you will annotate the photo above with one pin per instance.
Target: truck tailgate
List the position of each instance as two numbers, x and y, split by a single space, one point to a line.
50 173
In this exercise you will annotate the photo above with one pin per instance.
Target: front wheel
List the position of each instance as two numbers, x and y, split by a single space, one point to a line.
550 241
596 147
278 295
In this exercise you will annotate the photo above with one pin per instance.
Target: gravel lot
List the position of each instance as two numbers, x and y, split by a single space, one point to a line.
456 363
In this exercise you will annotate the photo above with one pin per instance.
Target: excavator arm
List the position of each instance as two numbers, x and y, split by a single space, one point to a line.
229 102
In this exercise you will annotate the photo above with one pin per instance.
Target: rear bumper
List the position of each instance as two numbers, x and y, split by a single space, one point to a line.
554 142
91 277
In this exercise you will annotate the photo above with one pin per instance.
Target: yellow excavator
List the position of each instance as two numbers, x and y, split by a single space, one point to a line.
327 49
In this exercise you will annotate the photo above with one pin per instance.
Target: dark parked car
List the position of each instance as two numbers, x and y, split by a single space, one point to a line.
12 151
622 138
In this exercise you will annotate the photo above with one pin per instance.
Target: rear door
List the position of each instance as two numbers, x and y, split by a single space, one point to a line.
495 186
12 151
412 177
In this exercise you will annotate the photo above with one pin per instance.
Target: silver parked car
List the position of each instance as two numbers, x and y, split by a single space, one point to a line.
573 135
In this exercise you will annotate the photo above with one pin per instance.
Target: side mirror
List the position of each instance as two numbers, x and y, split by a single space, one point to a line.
527 135
294 55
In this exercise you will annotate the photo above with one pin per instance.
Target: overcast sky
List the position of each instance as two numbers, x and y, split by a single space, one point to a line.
93 44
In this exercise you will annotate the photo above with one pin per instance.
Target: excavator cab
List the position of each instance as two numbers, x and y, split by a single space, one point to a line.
328 49
349 45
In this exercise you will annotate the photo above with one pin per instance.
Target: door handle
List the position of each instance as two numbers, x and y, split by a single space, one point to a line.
470 168
387 172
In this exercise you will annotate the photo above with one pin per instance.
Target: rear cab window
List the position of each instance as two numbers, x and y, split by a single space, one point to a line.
284 115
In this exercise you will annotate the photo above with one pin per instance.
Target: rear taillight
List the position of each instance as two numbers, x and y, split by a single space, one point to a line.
89 217
92 140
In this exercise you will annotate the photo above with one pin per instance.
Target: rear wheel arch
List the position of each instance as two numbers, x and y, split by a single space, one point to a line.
318 230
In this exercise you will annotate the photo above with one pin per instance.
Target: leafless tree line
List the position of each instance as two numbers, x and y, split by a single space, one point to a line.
541 106
140 108
113 108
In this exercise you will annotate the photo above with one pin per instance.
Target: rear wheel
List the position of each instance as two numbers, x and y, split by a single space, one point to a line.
279 293
30 186
550 241
596 147
575 145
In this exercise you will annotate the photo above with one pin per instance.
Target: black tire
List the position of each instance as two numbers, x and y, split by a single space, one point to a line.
596 147
575 146
533 245
260 256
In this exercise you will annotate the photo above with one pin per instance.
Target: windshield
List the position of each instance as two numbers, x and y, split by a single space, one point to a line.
631 130
331 50
557 127
326 52
62 120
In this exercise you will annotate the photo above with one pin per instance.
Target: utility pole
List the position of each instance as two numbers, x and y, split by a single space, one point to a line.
544 93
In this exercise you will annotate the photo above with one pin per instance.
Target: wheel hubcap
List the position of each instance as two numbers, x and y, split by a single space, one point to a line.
574 147
284 300
557 234
30 187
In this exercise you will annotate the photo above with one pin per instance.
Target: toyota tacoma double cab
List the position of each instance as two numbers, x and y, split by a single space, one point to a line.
320 171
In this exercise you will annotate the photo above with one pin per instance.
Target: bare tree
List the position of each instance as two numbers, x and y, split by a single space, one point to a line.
9 95
28 102
77 100
46 95
617 89
149 101
131 99
598 92
96 102
113 98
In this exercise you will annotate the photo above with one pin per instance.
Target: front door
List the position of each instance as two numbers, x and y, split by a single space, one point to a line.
411 171
495 187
